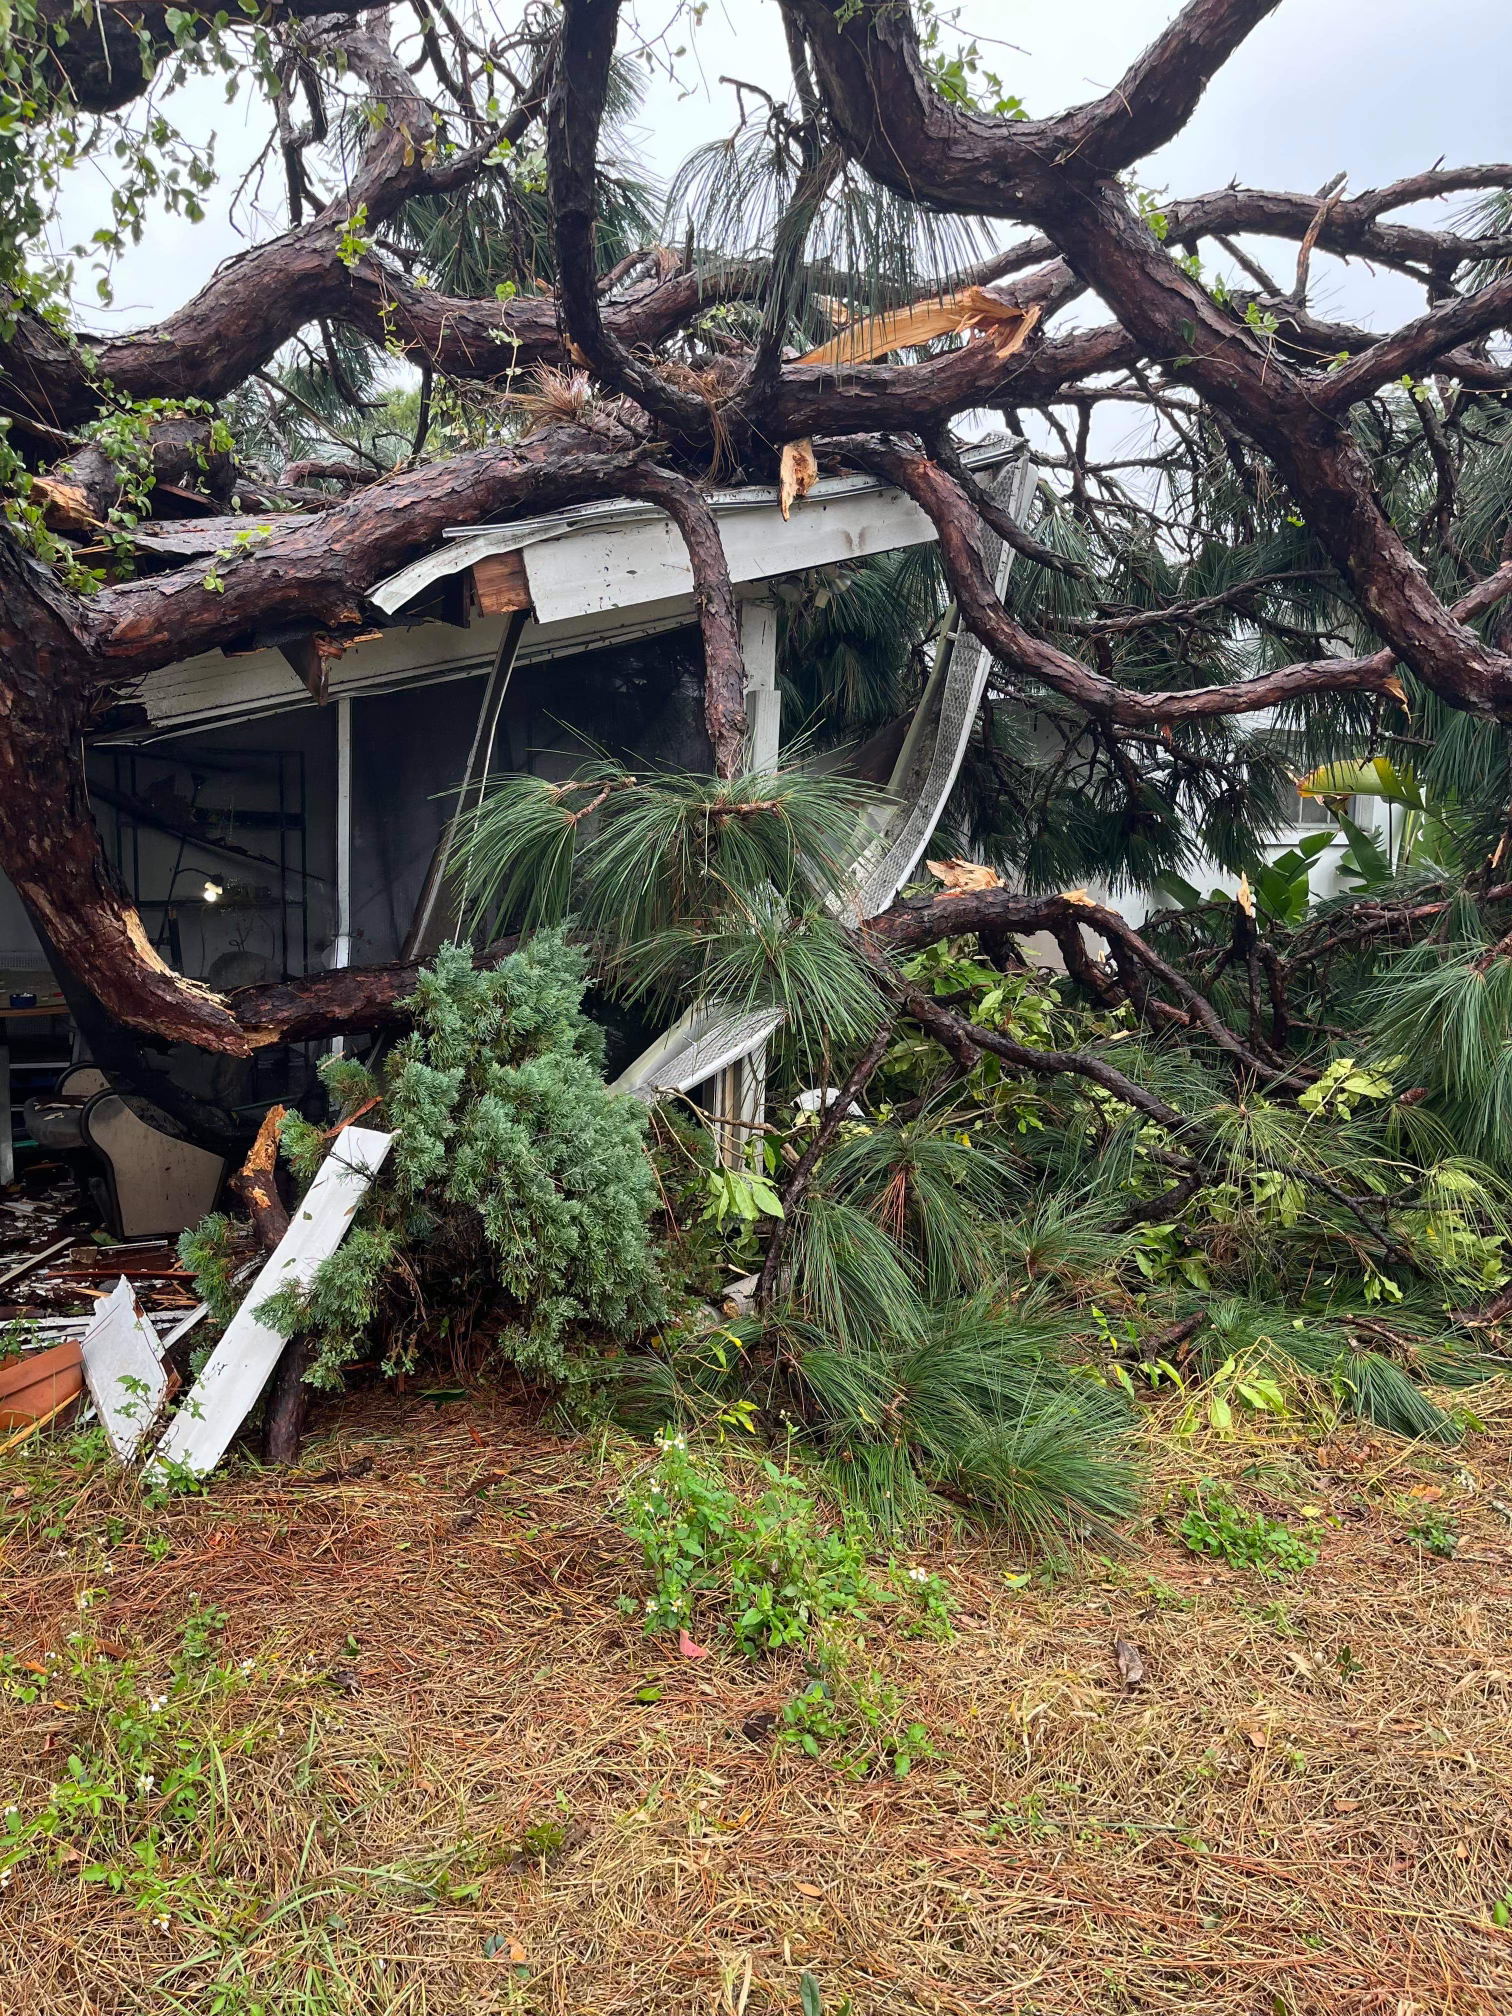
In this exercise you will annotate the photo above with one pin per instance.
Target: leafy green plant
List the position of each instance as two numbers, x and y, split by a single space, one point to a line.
855 1723
1214 1525
143 1783
1435 1535
770 1571
543 1839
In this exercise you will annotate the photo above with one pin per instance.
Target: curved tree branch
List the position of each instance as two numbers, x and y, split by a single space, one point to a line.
724 664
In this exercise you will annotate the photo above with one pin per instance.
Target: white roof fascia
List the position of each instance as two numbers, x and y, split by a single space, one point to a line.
619 552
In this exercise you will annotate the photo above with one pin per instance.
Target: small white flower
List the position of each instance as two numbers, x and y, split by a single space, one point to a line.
5 1876
11 1812
146 1783
918 1574
161 1922
246 1665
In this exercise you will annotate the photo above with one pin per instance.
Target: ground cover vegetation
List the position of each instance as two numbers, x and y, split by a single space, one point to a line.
387 1733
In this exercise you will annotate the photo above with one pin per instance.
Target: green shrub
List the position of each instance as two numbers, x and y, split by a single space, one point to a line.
517 1197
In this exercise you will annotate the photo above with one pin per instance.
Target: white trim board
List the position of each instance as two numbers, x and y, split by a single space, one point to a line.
238 1368
123 1369
199 693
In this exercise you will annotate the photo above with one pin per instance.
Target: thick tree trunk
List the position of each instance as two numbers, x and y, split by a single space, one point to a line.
48 843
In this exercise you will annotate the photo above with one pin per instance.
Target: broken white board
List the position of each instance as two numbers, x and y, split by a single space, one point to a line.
702 1041
237 1370
123 1369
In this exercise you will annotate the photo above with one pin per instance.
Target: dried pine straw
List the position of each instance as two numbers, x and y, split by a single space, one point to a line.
1266 1825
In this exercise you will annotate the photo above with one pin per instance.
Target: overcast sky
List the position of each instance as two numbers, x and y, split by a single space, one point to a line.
1380 88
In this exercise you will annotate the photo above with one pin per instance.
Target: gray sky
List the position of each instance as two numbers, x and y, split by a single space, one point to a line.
1380 88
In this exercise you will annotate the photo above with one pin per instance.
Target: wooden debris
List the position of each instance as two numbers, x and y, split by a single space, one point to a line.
226 1391
961 877
799 473
256 1182
971 312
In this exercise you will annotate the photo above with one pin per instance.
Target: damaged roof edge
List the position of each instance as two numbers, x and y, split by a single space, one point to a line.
624 581
600 573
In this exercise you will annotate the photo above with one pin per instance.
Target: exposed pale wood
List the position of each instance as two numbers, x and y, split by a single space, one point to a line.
256 1182
799 473
1006 328
501 583
123 1370
226 1391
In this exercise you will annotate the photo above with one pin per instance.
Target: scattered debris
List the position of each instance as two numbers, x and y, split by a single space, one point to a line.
32 1261
237 1371
38 1385
124 1370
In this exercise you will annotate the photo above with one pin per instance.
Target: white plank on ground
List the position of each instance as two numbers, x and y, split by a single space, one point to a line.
237 1370
123 1369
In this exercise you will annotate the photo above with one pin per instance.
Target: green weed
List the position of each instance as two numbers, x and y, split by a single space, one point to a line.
857 1725
1214 1525
771 1570
1435 1536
